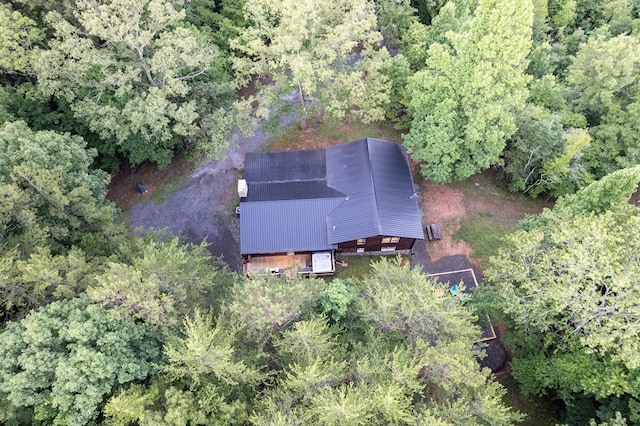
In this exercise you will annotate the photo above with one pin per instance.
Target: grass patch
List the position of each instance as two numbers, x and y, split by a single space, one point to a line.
327 132
359 266
484 233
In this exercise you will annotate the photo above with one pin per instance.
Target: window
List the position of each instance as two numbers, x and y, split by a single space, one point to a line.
361 241
360 250
388 248
390 240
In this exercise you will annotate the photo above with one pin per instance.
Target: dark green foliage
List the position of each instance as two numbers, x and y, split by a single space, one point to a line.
41 278
64 360
220 20
51 197
539 139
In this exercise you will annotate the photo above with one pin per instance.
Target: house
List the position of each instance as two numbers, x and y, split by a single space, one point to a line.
301 207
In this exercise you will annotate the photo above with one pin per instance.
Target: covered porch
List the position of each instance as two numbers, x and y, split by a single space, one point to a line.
320 263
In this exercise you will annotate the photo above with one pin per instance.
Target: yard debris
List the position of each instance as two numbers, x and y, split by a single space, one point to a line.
434 232
141 188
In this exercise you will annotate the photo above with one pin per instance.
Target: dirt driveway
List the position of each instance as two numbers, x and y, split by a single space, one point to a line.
200 208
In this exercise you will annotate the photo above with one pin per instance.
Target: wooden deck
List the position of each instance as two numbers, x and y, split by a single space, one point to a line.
277 264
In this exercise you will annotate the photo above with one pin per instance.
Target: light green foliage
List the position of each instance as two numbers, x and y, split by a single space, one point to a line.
619 16
18 35
569 282
161 282
40 279
384 374
463 102
416 40
168 404
602 195
135 88
66 358
603 84
324 51
562 12
604 75
206 351
50 196
336 299
268 304
399 299
567 172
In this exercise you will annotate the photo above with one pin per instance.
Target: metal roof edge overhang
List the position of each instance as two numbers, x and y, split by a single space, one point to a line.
285 225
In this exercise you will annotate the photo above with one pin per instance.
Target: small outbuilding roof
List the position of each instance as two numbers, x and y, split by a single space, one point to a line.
312 200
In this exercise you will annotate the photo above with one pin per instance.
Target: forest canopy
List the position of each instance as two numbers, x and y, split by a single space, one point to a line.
102 325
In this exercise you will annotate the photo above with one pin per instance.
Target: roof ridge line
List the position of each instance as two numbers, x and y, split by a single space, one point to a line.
373 187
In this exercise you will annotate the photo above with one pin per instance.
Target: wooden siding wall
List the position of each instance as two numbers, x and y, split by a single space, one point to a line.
375 244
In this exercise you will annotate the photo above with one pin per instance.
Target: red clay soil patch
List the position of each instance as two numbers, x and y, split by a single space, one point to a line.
448 204
444 205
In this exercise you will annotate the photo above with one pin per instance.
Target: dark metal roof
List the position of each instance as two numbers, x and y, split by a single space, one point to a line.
312 200
376 178
290 191
396 197
285 166
286 225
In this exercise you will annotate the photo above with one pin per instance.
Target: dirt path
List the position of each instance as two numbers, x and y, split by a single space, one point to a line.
200 208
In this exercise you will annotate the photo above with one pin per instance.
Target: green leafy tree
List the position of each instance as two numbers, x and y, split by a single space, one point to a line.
409 359
264 305
337 298
41 278
204 381
394 18
50 195
463 101
136 87
568 283
161 282
61 362
537 141
603 85
403 300
324 51
18 35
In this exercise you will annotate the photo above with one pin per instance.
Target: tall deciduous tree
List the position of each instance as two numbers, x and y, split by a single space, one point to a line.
603 85
18 35
463 102
569 282
127 68
324 51
50 196
61 362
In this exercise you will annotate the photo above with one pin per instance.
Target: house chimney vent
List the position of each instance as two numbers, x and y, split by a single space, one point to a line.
243 189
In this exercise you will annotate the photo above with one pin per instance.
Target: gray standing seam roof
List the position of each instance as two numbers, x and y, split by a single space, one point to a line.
376 177
312 200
